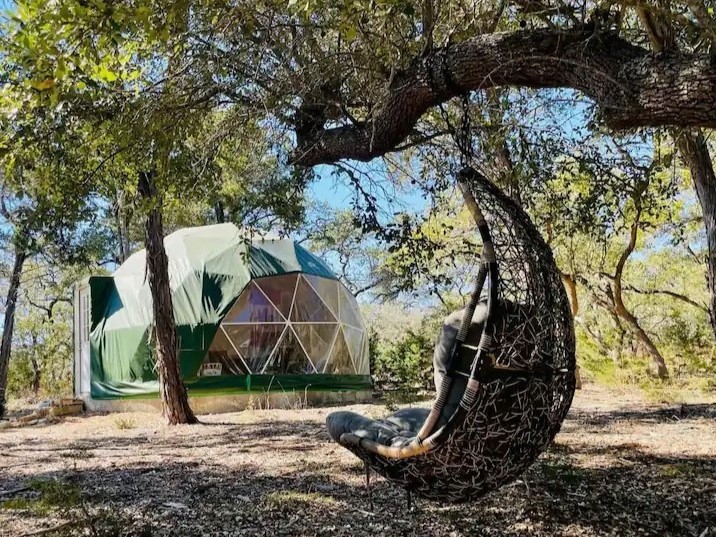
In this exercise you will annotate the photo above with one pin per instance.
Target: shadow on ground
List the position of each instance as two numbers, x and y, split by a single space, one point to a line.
628 492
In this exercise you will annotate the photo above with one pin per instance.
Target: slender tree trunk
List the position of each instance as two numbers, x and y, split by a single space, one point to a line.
695 153
175 403
570 283
616 353
36 371
9 322
121 221
219 212
658 363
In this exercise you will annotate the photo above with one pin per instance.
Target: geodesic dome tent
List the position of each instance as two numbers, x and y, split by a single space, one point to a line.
252 315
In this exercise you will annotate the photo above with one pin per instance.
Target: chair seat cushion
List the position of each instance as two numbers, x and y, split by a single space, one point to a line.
398 429
402 427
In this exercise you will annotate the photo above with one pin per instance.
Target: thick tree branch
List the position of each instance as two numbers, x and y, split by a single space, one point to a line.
632 86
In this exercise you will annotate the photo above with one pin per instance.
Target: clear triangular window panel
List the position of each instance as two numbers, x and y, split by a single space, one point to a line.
255 342
317 340
252 306
354 342
279 290
222 358
362 363
308 307
350 314
340 362
326 289
289 358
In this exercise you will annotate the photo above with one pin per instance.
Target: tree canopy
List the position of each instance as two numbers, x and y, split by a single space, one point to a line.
591 116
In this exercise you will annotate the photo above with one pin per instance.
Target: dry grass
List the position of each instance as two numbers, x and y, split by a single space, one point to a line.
620 466
124 424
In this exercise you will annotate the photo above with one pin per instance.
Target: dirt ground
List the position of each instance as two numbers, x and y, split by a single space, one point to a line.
619 467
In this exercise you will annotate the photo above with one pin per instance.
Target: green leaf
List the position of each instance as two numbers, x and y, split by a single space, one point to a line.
107 75
44 84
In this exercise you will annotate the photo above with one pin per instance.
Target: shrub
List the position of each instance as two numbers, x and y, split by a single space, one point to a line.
403 365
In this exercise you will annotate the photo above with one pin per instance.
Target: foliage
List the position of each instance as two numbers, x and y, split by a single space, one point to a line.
212 97
401 347
403 365
41 361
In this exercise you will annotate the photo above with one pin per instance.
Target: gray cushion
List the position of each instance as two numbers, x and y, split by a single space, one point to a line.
446 338
441 357
401 427
396 430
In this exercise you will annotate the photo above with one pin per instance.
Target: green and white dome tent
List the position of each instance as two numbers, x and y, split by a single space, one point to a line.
252 315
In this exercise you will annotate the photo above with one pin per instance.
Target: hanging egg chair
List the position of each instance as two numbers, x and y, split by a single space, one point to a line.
504 370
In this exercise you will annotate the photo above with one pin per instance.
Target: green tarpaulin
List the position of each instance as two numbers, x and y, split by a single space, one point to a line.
208 268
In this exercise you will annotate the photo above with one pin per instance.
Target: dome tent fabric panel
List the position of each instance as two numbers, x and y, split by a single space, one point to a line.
209 267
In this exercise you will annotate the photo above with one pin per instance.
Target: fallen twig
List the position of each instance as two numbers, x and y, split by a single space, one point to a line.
13 491
46 530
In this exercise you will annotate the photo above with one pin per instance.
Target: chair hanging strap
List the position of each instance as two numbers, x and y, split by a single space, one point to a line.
490 266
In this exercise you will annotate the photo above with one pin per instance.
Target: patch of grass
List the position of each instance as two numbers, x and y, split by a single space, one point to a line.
48 496
678 469
694 389
294 497
631 374
124 423
563 474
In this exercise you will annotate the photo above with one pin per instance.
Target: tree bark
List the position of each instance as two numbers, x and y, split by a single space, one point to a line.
632 86
175 403
9 322
695 153
570 283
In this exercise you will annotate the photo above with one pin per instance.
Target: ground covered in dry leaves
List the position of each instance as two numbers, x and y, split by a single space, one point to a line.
619 467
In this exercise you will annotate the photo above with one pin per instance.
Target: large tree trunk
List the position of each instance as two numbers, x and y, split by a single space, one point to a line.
9 322
692 145
695 153
175 403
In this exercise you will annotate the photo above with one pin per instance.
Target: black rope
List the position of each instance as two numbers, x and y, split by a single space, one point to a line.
461 135
367 485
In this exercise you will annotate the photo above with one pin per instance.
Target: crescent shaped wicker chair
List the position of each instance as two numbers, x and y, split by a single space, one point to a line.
504 370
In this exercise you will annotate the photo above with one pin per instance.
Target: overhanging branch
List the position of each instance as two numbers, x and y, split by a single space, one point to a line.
632 87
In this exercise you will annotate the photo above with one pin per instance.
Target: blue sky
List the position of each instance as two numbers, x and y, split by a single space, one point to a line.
339 193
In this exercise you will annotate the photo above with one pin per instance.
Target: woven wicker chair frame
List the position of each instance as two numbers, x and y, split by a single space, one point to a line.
521 381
